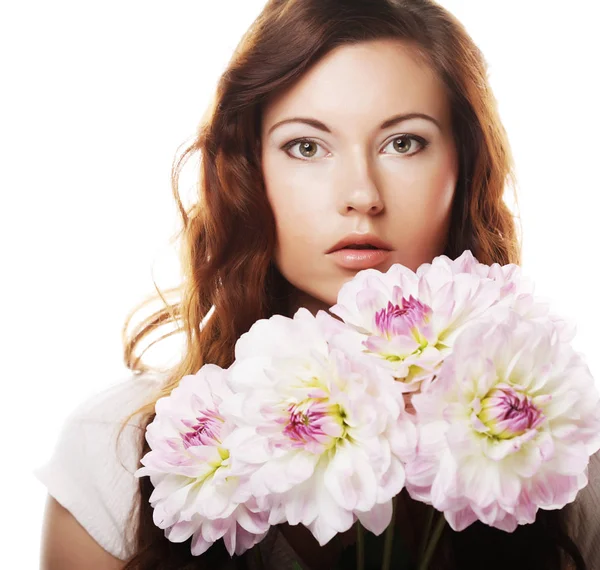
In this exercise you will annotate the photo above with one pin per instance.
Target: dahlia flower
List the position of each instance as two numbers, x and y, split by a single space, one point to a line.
407 321
508 426
199 490
331 431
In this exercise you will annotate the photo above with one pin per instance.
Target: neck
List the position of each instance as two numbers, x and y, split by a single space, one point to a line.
305 300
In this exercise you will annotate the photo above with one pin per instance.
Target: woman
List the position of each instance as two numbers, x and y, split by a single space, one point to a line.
395 140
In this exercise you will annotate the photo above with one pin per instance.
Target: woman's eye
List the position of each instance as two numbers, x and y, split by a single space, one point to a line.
402 145
306 148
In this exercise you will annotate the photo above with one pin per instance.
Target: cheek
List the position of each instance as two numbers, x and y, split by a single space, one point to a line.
301 214
420 209
439 201
303 219
425 196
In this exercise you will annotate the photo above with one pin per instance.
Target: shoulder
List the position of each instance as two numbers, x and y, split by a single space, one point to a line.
91 472
583 516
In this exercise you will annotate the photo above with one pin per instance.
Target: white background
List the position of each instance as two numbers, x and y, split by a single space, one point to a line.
97 97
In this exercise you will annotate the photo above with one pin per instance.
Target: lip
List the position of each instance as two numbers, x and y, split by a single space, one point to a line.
360 239
360 258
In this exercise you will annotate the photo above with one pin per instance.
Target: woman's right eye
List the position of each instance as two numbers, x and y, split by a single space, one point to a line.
307 146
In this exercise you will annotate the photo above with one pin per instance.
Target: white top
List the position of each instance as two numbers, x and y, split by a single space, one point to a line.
94 480
88 475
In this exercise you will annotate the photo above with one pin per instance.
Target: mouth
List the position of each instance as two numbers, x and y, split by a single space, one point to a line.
358 246
357 257
360 242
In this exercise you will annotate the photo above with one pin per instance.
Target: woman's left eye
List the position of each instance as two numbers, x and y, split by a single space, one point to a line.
404 146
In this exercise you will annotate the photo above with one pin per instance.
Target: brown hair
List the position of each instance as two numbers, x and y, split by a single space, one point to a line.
228 235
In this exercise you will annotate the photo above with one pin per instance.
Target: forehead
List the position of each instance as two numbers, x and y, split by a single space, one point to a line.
365 82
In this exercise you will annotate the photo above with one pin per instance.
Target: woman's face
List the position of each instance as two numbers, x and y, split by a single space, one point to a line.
346 174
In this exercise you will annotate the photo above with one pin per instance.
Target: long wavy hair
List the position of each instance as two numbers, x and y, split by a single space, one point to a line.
228 234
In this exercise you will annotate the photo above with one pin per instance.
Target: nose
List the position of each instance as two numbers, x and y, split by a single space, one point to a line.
360 192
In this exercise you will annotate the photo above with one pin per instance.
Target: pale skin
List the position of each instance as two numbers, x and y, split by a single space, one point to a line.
355 179
66 545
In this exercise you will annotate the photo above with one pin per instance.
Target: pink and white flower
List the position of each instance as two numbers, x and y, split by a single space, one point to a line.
509 276
331 430
199 489
407 321
507 428
517 289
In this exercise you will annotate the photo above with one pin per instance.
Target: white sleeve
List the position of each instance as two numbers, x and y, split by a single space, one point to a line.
92 478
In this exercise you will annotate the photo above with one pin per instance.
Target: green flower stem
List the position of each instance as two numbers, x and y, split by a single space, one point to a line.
389 538
426 531
437 532
360 547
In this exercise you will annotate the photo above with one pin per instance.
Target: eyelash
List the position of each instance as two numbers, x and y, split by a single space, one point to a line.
424 144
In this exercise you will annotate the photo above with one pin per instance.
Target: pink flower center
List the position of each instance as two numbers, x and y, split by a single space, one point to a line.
397 320
313 423
205 429
508 412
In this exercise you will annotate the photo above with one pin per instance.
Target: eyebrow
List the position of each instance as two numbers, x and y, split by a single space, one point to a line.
385 125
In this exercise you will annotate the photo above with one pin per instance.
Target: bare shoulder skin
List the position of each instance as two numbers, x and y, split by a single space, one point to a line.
66 545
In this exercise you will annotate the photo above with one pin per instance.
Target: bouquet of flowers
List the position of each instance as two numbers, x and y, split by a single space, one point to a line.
453 381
